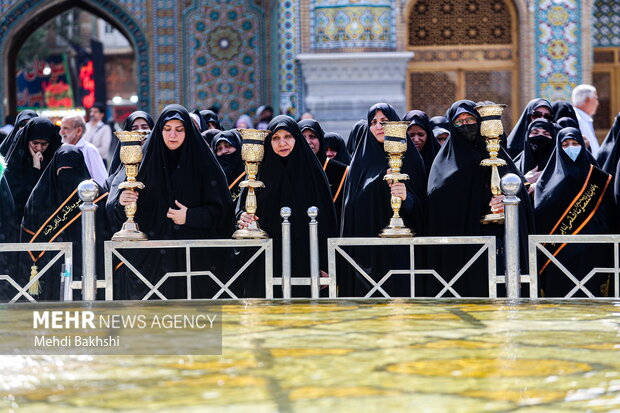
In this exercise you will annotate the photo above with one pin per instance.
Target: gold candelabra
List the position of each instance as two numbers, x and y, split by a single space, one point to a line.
131 156
252 152
492 129
395 144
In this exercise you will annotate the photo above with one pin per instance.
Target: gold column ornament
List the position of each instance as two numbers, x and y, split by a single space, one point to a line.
395 144
252 152
492 129
131 156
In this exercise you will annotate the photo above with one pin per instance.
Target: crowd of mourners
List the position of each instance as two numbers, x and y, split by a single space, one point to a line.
192 170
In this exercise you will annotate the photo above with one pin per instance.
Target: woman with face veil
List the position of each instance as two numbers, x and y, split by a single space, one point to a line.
535 109
459 195
573 196
28 157
537 149
367 207
53 214
293 178
185 197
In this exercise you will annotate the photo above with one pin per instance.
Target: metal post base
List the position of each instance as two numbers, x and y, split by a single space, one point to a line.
493 219
130 232
396 229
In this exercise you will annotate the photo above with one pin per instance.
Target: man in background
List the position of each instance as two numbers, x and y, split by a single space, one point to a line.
585 102
97 132
72 130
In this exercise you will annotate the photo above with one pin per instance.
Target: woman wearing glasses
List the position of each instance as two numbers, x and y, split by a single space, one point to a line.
459 194
536 109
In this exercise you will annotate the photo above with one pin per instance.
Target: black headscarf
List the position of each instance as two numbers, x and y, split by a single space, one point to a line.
207 116
116 158
20 174
563 109
566 122
336 143
432 146
315 127
609 153
367 208
357 133
190 175
458 197
21 121
54 188
439 122
209 134
517 135
557 187
232 164
537 150
296 181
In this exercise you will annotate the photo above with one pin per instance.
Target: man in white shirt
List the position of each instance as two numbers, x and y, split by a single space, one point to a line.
97 132
585 102
71 130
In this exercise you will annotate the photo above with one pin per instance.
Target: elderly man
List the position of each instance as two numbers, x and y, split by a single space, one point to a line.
72 130
97 132
585 102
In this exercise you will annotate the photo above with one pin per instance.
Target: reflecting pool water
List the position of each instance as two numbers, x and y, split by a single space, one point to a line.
351 356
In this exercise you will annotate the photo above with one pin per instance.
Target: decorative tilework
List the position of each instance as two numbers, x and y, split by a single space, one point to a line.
167 58
137 8
342 24
558 49
289 47
225 57
606 23
25 9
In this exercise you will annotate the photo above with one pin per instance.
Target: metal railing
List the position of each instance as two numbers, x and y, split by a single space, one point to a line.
336 245
111 249
64 249
538 243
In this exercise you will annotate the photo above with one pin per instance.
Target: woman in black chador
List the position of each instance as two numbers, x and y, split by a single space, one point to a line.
421 134
360 129
573 196
227 148
336 149
293 178
535 109
609 153
28 157
22 119
367 207
459 195
208 120
537 150
53 214
185 197
335 171
137 121
8 233
563 109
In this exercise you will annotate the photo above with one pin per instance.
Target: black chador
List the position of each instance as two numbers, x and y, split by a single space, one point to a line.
208 117
296 181
116 159
22 119
360 129
8 233
609 153
432 146
335 171
186 177
563 109
21 173
459 193
336 143
367 210
536 149
573 197
231 163
52 214
516 138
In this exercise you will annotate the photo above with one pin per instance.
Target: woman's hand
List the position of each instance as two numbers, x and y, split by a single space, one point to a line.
245 220
178 216
533 175
127 197
399 190
37 158
496 204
